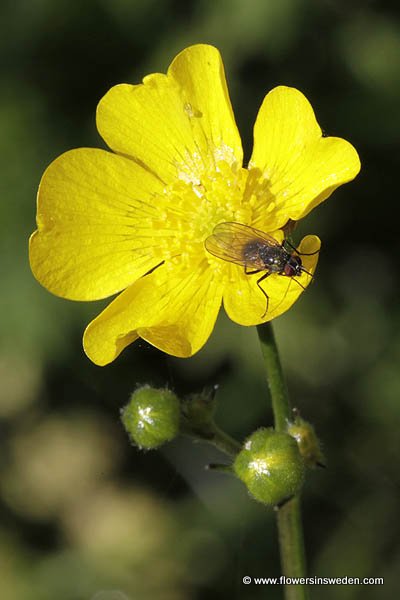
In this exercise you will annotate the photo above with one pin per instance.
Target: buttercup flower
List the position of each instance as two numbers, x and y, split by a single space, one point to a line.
136 219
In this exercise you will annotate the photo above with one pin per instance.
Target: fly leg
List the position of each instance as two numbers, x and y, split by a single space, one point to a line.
298 282
263 291
297 252
251 272
258 283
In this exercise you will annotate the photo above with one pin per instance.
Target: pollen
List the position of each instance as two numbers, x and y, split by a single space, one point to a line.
201 197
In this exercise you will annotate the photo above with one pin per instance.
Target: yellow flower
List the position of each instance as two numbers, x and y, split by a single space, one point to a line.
136 219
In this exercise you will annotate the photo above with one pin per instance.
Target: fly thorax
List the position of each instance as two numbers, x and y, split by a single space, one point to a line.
252 251
274 258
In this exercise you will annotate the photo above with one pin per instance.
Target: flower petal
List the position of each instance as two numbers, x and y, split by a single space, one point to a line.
173 309
301 167
245 303
175 123
94 216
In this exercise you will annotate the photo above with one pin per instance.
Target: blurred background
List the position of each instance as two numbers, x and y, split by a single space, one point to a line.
84 515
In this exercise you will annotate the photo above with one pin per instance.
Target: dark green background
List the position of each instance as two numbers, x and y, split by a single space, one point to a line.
85 515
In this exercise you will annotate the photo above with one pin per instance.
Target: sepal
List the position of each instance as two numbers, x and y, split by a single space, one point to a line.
309 445
198 413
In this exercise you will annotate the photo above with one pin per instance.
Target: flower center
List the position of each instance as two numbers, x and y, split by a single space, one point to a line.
201 197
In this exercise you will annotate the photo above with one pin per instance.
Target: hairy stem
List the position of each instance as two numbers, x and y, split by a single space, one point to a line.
290 530
225 442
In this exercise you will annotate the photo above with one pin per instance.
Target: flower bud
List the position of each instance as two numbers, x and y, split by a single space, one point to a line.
198 410
152 417
304 434
271 466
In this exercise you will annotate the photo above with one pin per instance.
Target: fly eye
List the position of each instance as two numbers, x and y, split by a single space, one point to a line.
289 270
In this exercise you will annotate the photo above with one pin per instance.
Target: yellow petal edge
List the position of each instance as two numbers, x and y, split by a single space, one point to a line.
173 310
165 121
301 166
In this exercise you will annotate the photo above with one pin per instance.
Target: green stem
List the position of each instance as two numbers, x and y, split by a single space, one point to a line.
292 547
225 442
290 529
212 434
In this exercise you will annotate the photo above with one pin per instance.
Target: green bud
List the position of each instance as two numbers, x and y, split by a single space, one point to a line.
271 466
304 434
198 412
152 417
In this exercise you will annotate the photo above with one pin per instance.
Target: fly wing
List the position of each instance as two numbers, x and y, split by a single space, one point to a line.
221 248
234 242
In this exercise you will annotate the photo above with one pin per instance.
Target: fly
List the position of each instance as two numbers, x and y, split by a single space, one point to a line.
256 251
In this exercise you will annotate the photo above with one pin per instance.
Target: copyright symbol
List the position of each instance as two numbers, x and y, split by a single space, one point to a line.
246 579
